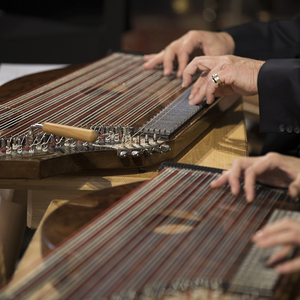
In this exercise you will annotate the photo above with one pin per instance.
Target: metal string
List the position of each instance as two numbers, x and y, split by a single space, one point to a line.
91 230
138 253
90 268
49 96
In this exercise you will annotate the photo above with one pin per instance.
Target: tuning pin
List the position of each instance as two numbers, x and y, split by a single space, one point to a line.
3 146
165 148
135 153
123 141
8 147
45 144
138 140
14 145
157 150
39 142
123 154
52 142
19 146
148 152
26 146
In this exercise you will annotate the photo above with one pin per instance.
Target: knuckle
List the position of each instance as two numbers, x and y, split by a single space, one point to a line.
249 172
272 156
191 32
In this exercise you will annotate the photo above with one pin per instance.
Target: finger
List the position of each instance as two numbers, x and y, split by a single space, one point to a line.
206 87
258 168
147 57
198 92
281 238
283 225
294 187
249 183
222 180
211 86
154 60
291 266
279 255
168 60
183 59
237 169
192 67
197 85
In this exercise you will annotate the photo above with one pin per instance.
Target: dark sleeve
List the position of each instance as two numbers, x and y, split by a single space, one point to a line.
263 41
279 96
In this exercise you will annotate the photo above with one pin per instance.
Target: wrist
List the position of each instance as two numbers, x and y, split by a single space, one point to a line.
228 41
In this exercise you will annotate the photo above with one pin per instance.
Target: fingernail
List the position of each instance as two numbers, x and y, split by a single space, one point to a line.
167 71
258 233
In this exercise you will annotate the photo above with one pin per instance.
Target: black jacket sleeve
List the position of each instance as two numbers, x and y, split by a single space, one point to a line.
279 96
263 41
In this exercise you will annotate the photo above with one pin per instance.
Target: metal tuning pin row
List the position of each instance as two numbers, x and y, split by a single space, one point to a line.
123 139
26 146
199 288
142 145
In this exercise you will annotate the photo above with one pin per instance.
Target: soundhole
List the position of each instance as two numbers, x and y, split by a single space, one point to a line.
171 222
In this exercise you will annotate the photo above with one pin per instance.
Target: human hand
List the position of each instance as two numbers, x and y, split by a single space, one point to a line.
237 74
273 169
209 43
286 233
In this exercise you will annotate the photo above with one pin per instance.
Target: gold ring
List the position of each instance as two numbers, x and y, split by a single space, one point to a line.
216 79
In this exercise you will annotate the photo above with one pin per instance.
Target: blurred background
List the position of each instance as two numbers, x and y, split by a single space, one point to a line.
155 23
76 31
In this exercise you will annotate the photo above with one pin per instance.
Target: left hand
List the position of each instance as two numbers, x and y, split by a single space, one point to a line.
272 169
286 233
238 75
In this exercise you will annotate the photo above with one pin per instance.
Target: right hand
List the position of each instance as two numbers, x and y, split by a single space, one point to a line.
209 43
284 233
237 74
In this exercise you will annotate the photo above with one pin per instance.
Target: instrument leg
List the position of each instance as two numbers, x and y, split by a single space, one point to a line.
13 210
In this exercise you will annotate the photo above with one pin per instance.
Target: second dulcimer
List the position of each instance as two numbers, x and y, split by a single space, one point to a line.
135 118
171 238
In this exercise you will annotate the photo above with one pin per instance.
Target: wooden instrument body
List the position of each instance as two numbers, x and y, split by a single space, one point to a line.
69 218
59 161
221 224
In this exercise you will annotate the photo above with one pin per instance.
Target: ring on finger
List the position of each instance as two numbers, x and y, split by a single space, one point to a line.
216 79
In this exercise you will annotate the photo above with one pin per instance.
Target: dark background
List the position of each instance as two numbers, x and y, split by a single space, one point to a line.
76 31
155 23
